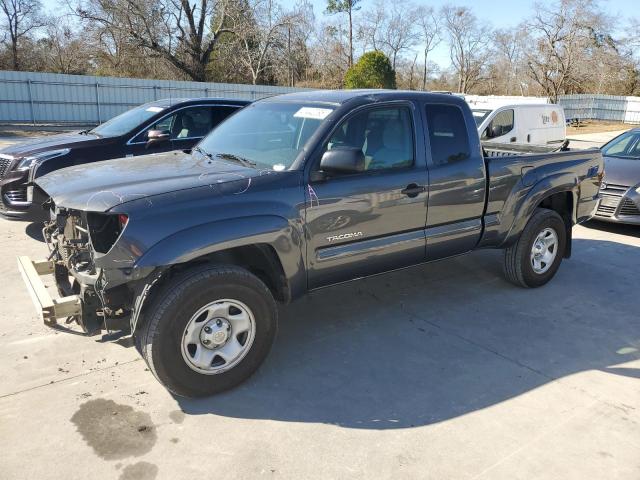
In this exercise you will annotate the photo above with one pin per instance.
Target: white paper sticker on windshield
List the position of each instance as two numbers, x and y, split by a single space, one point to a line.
312 112
155 109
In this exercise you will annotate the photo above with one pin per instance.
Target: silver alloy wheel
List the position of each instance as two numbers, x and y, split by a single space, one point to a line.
544 250
218 336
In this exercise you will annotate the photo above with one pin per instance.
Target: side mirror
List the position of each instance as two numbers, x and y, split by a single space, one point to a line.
343 160
155 137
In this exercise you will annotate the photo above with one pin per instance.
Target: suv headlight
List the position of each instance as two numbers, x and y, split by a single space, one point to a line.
35 159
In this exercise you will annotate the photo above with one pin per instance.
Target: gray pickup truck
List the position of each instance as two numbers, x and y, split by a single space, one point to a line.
191 251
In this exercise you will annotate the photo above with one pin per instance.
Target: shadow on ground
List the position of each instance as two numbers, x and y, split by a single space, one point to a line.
431 343
618 228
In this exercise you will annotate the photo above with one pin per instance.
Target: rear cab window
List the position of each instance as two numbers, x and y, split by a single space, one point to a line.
448 136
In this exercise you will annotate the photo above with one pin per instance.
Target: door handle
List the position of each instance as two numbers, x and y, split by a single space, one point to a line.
413 190
513 139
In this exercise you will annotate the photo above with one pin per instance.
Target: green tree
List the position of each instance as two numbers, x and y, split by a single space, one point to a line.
348 7
372 70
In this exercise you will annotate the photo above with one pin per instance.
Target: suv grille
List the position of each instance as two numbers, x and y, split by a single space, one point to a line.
614 189
4 166
629 208
18 195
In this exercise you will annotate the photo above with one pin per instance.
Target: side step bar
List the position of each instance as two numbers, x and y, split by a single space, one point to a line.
49 309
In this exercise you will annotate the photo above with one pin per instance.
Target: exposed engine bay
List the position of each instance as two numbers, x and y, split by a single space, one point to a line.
74 239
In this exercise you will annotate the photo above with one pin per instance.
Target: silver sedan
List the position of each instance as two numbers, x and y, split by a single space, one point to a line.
620 189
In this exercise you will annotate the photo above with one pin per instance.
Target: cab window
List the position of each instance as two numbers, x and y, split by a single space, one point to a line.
501 124
448 135
385 136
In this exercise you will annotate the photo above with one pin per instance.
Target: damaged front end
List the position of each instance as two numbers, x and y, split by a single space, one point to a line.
94 297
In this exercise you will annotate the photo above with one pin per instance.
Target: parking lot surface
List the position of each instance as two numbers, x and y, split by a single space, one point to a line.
442 371
439 371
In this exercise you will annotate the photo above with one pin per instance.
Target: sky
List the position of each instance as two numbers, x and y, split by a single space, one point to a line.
499 13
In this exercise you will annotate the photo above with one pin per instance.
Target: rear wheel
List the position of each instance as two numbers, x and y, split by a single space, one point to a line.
209 330
535 258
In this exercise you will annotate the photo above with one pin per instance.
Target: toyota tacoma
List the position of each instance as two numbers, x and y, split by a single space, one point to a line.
189 252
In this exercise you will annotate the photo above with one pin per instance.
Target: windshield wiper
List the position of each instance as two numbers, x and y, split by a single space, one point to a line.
235 158
202 152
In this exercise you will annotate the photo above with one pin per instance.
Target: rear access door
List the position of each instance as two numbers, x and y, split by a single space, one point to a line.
457 182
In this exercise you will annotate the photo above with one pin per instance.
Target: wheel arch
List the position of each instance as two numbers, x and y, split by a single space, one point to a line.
267 246
556 192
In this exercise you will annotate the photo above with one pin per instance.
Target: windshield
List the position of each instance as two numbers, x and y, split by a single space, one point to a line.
480 115
626 145
266 134
127 121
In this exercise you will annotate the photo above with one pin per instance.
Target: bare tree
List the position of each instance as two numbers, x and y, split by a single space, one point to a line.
510 45
468 45
329 55
391 28
259 30
21 17
348 7
66 51
567 34
184 34
430 36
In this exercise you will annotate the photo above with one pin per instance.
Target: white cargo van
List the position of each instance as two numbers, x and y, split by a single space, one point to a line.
525 124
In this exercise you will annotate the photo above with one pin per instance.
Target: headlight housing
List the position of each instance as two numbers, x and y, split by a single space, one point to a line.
37 158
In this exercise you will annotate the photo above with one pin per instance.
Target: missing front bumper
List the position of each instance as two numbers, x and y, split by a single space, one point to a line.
49 309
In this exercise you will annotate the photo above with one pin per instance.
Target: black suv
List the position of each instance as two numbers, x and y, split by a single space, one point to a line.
160 126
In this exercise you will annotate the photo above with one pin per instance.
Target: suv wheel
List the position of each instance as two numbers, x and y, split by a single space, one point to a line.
209 330
535 258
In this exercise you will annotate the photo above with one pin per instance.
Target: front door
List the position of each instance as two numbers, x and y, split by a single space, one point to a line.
373 221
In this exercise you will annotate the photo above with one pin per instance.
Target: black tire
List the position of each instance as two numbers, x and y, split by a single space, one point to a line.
160 336
517 261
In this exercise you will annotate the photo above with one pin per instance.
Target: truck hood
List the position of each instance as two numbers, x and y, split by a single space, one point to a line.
48 142
101 186
621 171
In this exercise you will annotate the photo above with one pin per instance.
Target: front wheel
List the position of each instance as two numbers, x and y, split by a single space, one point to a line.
209 330
535 258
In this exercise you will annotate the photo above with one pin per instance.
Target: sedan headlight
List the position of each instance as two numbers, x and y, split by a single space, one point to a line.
37 158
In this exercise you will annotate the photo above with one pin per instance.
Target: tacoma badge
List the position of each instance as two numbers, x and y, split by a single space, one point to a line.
344 236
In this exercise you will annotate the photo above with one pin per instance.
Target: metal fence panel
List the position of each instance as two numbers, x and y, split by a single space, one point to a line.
601 107
84 99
